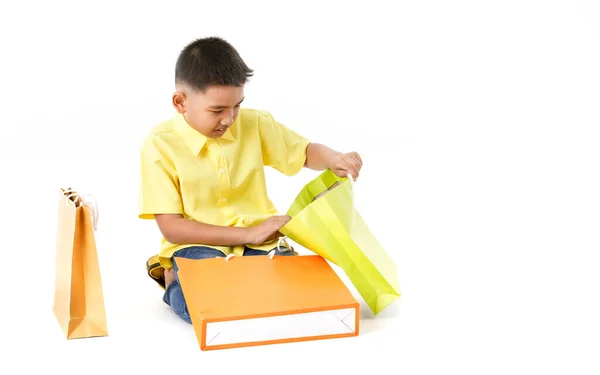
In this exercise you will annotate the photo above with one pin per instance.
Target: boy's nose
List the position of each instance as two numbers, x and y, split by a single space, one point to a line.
228 119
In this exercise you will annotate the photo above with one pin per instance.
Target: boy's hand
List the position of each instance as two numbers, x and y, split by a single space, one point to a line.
268 230
346 164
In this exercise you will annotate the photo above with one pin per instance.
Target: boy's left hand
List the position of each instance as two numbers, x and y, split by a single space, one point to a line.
346 164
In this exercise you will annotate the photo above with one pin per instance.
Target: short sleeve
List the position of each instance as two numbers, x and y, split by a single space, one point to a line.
282 148
159 193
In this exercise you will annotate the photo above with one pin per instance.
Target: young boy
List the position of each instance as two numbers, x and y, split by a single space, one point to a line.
202 171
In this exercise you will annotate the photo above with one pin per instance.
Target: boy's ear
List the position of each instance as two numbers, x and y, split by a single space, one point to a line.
179 101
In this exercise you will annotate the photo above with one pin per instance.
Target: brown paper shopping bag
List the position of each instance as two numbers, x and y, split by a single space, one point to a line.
78 298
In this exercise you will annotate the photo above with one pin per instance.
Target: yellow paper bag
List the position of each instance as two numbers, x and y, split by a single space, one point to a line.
78 298
325 221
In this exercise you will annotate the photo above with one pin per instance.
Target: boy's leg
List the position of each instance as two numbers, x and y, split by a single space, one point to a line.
285 252
174 294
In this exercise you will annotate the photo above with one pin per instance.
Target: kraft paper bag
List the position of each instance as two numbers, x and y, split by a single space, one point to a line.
78 299
325 221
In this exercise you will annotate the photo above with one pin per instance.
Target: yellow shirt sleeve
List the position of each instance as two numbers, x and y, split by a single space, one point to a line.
282 148
159 193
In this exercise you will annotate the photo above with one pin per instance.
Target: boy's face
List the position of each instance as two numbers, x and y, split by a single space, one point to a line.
211 112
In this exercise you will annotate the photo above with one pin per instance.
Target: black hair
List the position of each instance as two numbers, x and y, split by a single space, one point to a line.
211 61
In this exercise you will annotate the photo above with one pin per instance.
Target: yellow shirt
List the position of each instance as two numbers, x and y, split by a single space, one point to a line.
216 181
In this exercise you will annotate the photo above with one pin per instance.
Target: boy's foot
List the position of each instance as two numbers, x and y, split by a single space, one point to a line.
169 276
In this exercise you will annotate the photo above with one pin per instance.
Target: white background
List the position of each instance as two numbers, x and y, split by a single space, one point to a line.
477 122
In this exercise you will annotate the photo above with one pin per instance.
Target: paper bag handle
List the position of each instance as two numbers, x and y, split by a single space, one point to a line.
350 179
271 253
353 192
279 242
83 200
93 206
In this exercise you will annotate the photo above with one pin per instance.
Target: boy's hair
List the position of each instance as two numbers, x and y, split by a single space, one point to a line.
211 61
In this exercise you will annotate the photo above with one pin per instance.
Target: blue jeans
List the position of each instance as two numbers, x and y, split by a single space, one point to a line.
174 294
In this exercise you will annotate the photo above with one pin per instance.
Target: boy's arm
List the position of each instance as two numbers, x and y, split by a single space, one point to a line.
288 152
320 157
179 230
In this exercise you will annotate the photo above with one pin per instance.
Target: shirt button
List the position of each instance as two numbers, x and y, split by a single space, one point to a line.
224 199
223 170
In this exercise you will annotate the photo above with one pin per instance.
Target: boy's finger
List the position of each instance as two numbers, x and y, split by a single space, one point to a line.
352 171
353 168
282 222
358 159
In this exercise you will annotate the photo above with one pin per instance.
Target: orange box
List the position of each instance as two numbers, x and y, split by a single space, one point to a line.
255 300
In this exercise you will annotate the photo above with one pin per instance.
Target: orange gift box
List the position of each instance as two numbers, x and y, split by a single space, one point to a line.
256 300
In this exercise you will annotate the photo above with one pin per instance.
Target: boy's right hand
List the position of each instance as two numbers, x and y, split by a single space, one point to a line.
268 230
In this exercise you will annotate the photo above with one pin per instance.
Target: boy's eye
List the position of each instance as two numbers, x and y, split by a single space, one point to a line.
221 111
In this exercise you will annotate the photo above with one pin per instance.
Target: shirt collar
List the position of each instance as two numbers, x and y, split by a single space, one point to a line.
193 138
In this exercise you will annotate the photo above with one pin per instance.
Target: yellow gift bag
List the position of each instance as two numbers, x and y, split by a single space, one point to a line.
325 221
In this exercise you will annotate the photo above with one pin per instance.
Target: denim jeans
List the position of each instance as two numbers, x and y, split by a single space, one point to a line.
174 294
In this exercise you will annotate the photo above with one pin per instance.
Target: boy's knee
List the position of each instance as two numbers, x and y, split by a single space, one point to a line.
174 298
184 314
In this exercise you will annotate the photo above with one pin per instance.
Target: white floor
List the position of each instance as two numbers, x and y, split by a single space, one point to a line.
486 306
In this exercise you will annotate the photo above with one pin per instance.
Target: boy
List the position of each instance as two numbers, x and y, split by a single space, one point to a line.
202 171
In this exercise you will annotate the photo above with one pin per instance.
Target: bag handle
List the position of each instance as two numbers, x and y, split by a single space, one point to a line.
71 193
93 206
352 191
279 242
80 200
272 252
